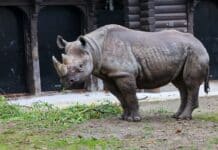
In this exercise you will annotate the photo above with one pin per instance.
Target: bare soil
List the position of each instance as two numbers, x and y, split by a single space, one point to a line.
158 130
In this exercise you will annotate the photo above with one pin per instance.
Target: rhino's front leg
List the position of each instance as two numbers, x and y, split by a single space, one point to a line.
111 86
127 87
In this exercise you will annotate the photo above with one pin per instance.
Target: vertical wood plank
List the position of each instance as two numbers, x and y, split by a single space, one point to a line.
36 82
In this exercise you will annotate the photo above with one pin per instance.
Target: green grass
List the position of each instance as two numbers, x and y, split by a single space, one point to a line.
213 117
214 141
148 130
160 111
43 126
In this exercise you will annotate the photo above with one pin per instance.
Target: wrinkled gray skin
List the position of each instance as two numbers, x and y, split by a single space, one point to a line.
126 59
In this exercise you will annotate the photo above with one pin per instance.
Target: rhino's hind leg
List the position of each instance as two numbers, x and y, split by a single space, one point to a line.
192 103
183 97
127 87
194 73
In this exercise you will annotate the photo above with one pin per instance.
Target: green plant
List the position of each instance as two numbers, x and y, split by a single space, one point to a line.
213 117
148 130
8 111
40 126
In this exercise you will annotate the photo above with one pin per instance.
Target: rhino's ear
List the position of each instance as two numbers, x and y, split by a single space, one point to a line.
61 42
83 40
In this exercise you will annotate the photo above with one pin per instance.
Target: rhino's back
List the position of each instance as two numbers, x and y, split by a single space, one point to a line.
160 55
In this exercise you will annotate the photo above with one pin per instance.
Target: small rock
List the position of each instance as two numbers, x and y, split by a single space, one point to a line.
178 131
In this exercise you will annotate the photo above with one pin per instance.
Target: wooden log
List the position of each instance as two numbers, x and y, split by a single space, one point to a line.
169 2
170 9
35 75
171 23
131 2
171 16
134 25
147 27
14 3
147 5
132 10
182 29
147 13
133 17
190 12
147 21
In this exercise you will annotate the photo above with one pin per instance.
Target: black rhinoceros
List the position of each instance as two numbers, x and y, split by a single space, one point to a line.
126 59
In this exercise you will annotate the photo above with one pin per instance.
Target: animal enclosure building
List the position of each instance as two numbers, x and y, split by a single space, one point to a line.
28 31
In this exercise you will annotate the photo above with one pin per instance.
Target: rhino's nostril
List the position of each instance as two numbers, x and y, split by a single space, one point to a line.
72 81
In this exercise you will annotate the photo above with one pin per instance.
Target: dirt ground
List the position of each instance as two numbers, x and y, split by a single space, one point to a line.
158 130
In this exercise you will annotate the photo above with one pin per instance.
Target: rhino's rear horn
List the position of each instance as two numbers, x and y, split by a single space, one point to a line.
61 42
65 59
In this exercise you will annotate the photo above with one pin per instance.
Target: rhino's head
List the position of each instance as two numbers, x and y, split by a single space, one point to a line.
77 63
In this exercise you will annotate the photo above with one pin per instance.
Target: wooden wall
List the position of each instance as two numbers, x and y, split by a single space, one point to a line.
146 15
132 12
171 14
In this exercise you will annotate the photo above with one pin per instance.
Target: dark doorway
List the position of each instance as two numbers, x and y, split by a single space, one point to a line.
110 12
12 51
53 21
205 29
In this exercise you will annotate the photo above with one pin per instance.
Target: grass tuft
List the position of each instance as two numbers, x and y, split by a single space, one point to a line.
213 117
8 111
41 126
49 115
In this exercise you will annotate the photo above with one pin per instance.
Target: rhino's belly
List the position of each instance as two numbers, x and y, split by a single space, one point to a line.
158 65
157 74
156 81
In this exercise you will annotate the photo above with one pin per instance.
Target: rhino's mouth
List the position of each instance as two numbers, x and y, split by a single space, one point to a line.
71 83
76 85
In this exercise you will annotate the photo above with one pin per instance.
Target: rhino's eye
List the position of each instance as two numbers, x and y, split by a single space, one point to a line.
80 68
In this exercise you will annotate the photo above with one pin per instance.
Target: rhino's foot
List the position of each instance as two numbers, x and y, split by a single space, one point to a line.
123 116
185 117
176 115
131 117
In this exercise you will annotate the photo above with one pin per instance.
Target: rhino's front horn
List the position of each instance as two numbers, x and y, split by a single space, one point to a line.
60 68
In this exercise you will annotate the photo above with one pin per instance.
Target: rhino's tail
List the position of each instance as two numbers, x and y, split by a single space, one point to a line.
206 82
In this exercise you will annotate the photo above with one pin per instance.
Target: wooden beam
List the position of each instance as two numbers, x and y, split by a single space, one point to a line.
147 21
36 82
169 2
182 29
171 23
171 16
134 24
147 14
170 9
133 17
132 10
190 13
131 2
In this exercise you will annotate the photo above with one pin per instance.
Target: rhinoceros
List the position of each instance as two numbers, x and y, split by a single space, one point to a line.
127 59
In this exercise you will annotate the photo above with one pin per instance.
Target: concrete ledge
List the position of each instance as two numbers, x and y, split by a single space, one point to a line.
65 99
